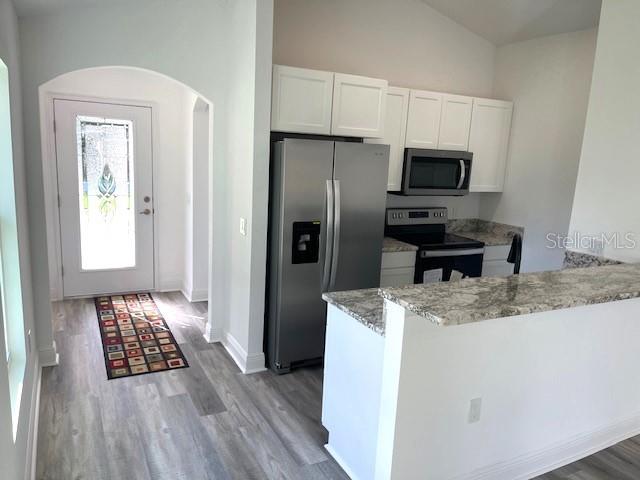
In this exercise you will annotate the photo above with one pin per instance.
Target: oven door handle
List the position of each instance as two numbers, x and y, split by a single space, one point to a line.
463 174
451 253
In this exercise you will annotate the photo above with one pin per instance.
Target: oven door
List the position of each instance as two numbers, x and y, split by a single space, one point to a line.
467 261
436 172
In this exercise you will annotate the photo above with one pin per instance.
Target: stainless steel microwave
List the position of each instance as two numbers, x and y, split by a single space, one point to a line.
436 172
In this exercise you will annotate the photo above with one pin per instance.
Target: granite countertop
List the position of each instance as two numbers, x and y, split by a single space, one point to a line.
366 306
485 298
490 233
392 245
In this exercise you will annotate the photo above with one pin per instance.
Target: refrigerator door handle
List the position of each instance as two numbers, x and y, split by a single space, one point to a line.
326 274
336 234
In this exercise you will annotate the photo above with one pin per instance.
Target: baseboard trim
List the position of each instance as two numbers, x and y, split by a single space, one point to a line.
247 363
341 462
558 454
34 420
48 357
197 295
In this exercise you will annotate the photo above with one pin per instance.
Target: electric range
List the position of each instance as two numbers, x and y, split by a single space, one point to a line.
439 253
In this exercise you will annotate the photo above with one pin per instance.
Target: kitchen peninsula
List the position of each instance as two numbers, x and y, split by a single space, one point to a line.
482 378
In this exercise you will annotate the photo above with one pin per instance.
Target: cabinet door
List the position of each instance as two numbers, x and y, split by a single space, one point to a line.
396 277
455 122
301 100
423 122
359 105
489 141
395 126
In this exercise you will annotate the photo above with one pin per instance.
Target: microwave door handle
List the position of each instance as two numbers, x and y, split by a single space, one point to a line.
336 234
326 274
463 174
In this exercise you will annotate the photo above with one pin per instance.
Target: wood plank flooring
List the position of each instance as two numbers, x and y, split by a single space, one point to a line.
618 462
204 422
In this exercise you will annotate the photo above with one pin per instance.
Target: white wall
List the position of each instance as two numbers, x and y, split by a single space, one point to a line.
172 156
15 458
548 80
607 194
405 42
554 387
196 272
188 40
249 94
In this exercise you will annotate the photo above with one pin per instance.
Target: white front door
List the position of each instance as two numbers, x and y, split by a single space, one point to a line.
104 162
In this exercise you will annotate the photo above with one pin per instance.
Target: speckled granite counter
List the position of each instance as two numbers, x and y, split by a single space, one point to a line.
366 306
491 233
583 260
392 245
485 298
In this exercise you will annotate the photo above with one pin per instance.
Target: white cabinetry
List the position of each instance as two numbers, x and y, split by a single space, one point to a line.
489 141
423 123
455 122
397 268
301 100
494 262
359 105
395 126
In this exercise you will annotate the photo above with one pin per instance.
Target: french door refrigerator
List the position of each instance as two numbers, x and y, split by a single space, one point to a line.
327 215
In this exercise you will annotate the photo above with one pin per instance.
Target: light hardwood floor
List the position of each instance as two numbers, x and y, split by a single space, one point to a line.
204 422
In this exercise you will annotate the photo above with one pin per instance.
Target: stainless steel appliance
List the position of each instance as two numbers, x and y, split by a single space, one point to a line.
436 172
438 251
326 229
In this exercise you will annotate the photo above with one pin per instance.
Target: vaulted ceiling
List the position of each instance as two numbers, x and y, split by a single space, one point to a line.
507 21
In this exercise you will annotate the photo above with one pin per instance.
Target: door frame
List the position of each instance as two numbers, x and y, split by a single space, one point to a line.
50 181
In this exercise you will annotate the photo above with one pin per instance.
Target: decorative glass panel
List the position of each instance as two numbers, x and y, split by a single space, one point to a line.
106 189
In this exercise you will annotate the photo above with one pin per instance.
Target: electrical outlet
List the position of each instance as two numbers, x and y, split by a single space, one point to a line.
475 407
243 226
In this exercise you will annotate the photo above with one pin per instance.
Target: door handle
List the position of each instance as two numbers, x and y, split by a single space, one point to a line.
146 211
463 174
329 236
336 234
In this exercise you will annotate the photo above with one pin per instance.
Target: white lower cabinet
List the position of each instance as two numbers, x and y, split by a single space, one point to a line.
395 126
397 269
494 262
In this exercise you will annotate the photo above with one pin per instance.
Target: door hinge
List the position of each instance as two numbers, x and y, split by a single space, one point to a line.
54 127
59 201
62 270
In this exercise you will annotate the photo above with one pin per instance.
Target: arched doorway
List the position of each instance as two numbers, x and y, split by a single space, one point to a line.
182 132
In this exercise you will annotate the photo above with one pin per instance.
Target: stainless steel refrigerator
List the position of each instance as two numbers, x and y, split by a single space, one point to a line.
326 228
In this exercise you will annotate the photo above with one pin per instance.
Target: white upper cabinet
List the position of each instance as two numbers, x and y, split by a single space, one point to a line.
423 123
455 122
301 100
489 141
359 105
395 126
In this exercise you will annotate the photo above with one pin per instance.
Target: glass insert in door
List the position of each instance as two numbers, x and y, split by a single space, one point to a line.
106 193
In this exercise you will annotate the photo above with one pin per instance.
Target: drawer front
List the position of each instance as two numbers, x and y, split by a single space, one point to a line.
398 259
396 277
497 268
497 252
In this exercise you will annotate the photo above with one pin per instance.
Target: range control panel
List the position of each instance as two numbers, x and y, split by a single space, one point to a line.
417 216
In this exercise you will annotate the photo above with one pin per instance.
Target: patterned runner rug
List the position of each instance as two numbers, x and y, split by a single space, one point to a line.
135 337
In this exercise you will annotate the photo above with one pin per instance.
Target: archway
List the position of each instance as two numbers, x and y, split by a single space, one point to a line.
183 156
